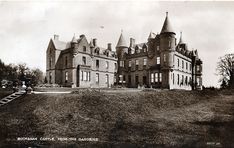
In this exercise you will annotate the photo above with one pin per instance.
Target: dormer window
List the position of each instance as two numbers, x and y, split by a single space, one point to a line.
84 48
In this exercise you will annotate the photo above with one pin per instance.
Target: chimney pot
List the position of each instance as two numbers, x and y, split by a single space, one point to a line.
109 46
132 42
94 42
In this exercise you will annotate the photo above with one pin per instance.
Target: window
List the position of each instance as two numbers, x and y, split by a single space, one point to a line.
50 78
186 66
97 77
157 47
198 68
156 77
129 63
115 66
85 76
66 61
144 62
120 78
107 78
169 44
178 61
160 77
137 80
84 60
152 77
82 75
114 79
178 79
164 58
144 49
137 62
173 78
124 79
107 64
182 81
97 63
88 76
158 60
66 77
84 48
182 64
121 63
51 62
186 80
190 67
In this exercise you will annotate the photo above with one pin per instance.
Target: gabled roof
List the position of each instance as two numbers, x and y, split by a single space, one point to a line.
121 42
60 45
167 26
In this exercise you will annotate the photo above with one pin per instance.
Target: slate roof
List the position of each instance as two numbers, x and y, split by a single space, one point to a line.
60 45
167 26
121 42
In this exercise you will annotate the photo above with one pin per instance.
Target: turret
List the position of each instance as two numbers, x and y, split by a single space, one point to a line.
73 41
167 44
121 46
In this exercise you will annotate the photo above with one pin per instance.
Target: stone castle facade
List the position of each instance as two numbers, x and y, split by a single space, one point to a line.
160 62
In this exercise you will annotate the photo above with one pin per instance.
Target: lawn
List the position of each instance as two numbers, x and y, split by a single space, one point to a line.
5 92
121 118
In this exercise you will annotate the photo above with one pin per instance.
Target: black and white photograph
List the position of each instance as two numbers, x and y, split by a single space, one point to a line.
117 73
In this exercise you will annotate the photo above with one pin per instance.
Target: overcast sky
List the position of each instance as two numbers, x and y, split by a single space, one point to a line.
26 27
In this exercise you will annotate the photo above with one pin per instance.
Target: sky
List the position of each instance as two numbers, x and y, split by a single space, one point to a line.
27 26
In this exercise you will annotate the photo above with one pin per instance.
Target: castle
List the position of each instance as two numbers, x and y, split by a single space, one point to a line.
160 62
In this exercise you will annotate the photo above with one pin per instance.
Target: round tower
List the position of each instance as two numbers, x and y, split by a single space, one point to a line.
167 44
121 46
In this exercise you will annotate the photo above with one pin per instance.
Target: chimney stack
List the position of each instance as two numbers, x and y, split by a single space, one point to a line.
94 42
132 42
109 46
56 37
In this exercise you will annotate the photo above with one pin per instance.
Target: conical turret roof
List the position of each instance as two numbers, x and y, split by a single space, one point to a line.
167 26
74 40
121 42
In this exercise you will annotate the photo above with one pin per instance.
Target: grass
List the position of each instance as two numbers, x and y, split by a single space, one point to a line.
122 118
5 92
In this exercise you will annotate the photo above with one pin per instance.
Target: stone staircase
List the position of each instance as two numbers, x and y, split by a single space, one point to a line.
11 97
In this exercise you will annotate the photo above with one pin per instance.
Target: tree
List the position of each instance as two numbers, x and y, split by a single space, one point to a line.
225 68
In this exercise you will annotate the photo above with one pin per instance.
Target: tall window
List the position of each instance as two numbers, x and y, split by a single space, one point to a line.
178 61
120 78
198 68
115 66
182 64
121 63
107 78
137 62
152 77
85 75
164 58
178 79
158 60
182 81
160 77
173 78
66 77
97 63
144 62
186 66
82 75
84 60
156 77
88 76
190 66
157 47
97 77
129 63
186 80
51 61
50 78
107 64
